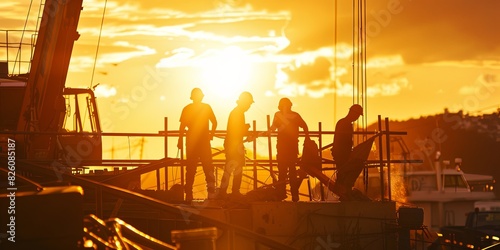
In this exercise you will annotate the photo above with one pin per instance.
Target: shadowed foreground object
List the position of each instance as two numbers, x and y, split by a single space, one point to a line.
46 219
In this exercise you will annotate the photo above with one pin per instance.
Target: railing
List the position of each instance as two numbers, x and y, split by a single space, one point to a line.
254 165
16 51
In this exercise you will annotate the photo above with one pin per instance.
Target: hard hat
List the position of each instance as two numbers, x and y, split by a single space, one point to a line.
284 102
357 109
196 93
245 97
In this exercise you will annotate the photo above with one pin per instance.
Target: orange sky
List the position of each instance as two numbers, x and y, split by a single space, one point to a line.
423 56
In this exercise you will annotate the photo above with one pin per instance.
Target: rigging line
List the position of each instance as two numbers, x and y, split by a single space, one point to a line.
359 55
365 80
359 49
98 44
18 54
353 48
335 66
357 20
362 52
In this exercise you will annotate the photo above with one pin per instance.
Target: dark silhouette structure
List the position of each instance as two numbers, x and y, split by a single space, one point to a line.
288 122
196 117
233 144
343 141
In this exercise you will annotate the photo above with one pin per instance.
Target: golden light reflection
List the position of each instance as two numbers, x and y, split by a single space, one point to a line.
398 186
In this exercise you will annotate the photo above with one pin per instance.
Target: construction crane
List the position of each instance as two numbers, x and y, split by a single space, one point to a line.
35 107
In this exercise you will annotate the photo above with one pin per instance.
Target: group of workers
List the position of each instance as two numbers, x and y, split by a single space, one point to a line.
198 124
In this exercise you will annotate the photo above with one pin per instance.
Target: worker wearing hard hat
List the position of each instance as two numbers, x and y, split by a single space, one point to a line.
288 122
237 129
196 117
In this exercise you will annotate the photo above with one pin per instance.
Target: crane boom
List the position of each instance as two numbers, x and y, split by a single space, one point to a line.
43 98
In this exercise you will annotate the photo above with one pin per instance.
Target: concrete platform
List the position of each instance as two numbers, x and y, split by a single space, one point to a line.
309 225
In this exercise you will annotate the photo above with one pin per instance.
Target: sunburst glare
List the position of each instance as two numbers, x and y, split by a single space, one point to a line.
226 72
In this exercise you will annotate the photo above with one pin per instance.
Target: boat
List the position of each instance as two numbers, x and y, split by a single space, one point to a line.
446 193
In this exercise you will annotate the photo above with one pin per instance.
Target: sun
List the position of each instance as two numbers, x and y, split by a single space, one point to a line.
226 73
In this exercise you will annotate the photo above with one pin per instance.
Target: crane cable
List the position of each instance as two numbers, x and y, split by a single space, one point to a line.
335 79
97 51
18 54
98 43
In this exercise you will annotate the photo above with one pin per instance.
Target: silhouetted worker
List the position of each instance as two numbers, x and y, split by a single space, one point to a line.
196 117
343 139
233 145
288 123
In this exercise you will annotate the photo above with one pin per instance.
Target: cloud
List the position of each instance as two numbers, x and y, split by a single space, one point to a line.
387 89
314 74
177 58
105 91
392 88
480 64
306 73
311 26
429 31
385 61
483 88
421 31
15 15
176 19
83 62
